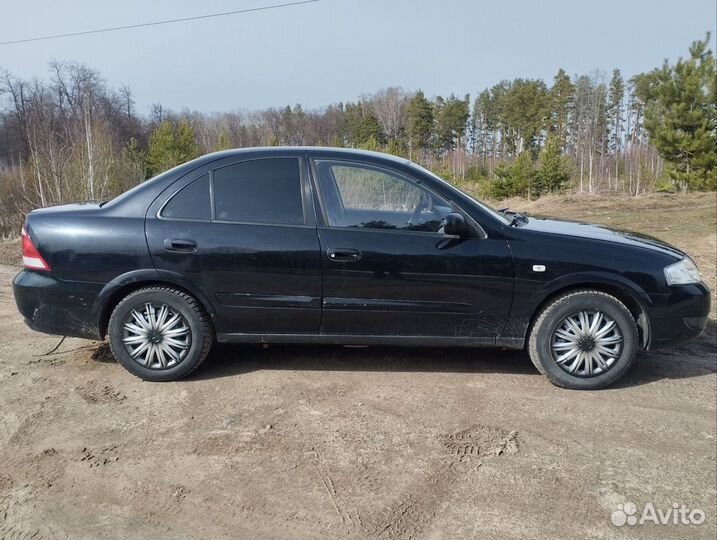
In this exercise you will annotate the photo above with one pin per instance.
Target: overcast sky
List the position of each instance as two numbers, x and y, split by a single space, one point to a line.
336 50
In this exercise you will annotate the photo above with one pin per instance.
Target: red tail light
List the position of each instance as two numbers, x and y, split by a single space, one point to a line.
31 258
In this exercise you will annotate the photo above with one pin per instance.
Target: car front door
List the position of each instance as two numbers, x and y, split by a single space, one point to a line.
244 234
388 270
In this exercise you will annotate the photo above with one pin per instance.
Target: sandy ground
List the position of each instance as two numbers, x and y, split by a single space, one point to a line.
330 442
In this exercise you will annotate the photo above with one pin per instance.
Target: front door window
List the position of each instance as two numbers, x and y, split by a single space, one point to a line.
362 196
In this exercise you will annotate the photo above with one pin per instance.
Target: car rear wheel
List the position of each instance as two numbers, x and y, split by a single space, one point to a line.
159 333
584 340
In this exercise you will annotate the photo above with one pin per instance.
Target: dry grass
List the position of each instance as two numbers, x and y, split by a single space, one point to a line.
10 253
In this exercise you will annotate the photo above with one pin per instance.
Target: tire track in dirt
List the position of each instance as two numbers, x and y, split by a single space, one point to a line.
330 487
460 455
9 424
26 427
95 392
33 471
52 361
27 475
465 452
158 503
9 532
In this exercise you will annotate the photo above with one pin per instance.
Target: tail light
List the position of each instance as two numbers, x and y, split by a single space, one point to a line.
31 258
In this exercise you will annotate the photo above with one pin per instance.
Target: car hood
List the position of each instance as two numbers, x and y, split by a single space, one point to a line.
599 232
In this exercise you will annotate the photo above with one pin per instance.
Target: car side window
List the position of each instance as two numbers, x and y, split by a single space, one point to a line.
191 202
362 196
259 191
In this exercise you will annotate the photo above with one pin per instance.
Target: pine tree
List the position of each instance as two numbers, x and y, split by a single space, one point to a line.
170 146
615 118
451 121
681 116
159 156
185 145
515 179
223 141
484 123
615 112
420 122
503 136
600 125
363 125
299 124
525 108
524 174
136 157
369 129
370 144
562 103
553 171
393 147
286 125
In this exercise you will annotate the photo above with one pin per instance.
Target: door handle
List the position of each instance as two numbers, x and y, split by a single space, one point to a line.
343 254
180 244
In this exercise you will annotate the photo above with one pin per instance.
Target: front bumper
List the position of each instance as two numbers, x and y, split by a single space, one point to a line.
54 306
679 316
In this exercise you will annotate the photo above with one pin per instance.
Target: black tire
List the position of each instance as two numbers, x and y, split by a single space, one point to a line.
200 337
542 341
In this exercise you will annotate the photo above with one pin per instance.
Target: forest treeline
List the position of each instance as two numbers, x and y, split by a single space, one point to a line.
73 138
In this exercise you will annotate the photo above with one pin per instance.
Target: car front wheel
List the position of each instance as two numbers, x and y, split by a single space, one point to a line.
159 333
584 340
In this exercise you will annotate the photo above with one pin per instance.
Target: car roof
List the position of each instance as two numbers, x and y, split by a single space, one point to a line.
141 193
324 150
136 200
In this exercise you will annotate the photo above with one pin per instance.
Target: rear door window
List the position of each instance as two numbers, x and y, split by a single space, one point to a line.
259 191
191 202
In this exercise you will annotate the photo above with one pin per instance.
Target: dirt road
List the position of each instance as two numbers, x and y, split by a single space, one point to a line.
336 442
330 442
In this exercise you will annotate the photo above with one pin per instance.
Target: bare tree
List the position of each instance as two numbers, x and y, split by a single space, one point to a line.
389 105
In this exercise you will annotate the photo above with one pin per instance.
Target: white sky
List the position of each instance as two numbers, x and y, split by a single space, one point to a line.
336 50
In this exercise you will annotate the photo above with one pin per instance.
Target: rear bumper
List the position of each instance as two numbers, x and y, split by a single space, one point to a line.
53 306
680 316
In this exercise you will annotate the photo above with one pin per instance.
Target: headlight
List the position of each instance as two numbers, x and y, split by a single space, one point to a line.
683 272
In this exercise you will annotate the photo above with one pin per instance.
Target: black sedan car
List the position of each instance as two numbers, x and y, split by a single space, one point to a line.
335 246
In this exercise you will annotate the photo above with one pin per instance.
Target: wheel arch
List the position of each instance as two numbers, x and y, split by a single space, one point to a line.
125 284
626 294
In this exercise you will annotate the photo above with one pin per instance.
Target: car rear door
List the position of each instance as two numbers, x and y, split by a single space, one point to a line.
243 232
390 271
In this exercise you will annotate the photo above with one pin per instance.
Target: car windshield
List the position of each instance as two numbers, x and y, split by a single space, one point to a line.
502 217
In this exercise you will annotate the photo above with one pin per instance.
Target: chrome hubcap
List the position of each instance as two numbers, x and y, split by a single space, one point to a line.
586 343
156 336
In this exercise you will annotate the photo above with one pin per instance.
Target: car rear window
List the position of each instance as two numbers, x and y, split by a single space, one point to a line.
259 191
191 202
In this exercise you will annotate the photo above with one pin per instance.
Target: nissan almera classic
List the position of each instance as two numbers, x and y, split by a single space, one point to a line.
335 246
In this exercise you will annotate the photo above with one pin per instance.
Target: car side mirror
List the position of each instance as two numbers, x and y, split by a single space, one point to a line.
454 224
